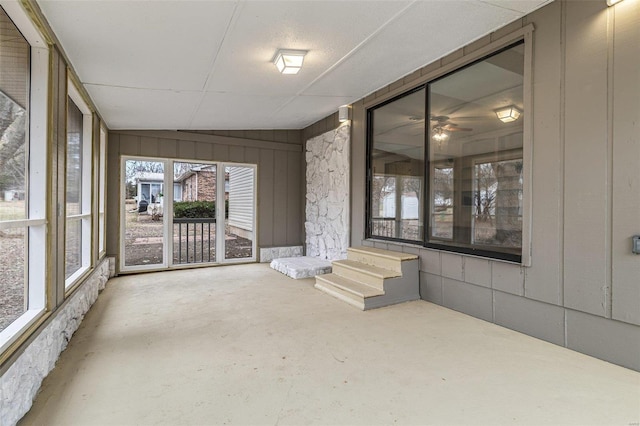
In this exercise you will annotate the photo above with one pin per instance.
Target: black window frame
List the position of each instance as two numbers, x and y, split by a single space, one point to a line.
369 177
481 252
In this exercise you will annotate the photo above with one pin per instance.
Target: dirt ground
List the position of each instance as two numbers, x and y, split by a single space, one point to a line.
12 274
143 242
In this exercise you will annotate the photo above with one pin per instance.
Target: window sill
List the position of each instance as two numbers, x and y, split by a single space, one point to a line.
454 250
16 329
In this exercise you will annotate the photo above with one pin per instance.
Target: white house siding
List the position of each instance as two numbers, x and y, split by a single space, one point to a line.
241 202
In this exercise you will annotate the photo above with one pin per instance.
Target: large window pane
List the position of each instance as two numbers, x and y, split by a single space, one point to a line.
78 187
74 160
475 148
397 166
14 86
14 95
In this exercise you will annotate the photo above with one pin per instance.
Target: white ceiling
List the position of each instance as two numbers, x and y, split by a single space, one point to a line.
207 64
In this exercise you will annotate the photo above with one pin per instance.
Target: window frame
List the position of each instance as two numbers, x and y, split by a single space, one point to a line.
37 197
86 215
369 170
102 193
522 36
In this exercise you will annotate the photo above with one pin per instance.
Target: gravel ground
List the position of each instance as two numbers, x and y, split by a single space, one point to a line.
143 243
12 243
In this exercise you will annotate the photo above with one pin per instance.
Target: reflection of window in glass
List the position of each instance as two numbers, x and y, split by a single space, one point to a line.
14 226
397 163
473 129
482 208
442 206
498 188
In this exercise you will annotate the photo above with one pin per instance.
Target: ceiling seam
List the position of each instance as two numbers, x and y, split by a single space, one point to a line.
487 3
140 88
203 93
349 54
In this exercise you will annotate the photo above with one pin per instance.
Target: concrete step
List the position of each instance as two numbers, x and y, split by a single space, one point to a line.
354 287
363 273
371 278
386 259
354 293
339 293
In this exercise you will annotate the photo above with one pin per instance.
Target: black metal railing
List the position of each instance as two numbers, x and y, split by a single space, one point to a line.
383 227
402 229
194 243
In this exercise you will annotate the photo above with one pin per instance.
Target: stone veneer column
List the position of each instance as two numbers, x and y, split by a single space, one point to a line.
327 200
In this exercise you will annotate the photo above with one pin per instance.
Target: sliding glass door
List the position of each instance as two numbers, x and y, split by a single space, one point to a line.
177 213
239 230
142 215
194 213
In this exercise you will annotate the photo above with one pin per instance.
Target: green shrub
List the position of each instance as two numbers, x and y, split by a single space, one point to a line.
197 209
194 209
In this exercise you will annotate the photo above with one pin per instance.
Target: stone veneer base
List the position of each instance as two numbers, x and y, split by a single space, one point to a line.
21 382
267 254
301 267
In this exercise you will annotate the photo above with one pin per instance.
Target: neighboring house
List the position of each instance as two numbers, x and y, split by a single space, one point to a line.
240 195
13 195
148 186
197 184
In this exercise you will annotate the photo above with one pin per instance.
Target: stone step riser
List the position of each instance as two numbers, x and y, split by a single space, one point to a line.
341 294
359 276
358 289
373 260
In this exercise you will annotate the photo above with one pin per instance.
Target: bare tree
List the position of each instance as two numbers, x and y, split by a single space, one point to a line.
133 167
12 144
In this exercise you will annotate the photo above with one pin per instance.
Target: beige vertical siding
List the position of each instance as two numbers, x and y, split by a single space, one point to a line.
279 211
582 288
625 133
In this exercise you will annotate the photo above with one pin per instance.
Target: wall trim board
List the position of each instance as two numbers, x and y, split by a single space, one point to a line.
199 137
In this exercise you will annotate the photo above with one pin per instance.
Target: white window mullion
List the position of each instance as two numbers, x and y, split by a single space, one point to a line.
220 212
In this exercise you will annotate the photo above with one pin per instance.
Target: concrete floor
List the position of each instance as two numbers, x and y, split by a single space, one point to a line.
246 345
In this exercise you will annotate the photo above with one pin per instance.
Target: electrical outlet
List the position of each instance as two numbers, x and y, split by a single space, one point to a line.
636 244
